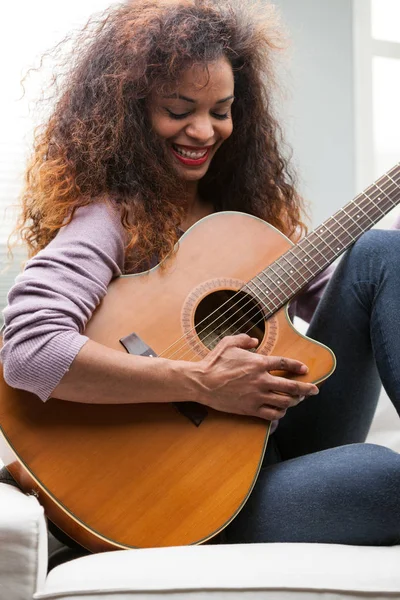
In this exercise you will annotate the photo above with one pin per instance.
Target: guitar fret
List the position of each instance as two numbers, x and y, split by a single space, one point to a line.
262 292
292 269
364 213
307 240
290 273
263 299
301 263
375 205
383 192
279 292
323 230
335 236
306 259
353 221
266 293
342 226
387 175
279 279
333 250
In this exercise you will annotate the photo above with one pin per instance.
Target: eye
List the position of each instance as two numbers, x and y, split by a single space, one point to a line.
176 115
221 117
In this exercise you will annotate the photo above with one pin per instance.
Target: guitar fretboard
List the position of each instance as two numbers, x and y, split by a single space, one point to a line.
283 279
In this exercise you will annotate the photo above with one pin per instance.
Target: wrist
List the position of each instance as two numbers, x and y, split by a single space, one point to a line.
190 377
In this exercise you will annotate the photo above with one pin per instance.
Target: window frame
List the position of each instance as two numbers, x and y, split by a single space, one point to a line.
365 49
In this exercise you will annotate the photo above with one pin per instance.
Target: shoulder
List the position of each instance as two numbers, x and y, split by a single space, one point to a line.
98 216
93 229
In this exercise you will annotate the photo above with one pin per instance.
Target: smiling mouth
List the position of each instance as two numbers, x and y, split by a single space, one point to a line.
191 156
195 154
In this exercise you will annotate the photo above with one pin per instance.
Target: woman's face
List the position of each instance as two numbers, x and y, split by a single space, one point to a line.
194 119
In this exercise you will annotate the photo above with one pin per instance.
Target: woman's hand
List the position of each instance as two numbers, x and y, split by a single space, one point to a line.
231 379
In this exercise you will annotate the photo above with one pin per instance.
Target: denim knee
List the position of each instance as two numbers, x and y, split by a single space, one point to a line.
377 243
382 465
373 257
345 495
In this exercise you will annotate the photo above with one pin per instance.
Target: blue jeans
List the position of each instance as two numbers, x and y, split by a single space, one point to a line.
319 481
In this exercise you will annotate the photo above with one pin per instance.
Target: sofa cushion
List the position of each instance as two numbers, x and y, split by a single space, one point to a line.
270 571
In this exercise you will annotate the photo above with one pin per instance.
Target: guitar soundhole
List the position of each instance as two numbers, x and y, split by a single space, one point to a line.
227 312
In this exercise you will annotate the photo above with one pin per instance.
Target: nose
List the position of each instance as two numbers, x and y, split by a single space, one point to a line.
200 129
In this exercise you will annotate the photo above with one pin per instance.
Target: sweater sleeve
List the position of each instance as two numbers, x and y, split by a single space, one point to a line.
55 296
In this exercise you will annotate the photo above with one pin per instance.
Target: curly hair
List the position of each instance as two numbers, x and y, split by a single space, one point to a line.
98 143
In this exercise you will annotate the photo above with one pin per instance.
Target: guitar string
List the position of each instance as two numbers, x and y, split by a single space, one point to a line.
376 194
240 303
251 300
242 306
260 320
250 319
314 246
250 314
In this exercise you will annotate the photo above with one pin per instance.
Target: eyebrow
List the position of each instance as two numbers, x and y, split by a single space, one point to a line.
179 97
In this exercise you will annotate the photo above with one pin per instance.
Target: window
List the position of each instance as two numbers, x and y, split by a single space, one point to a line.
377 90
385 20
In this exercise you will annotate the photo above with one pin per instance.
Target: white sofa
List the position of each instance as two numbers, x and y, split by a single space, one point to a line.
246 572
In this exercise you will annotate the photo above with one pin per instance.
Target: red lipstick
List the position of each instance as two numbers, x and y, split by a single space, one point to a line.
192 162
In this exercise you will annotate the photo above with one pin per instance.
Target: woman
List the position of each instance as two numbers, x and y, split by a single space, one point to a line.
166 117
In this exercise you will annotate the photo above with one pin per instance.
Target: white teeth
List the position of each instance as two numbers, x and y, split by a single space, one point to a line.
189 154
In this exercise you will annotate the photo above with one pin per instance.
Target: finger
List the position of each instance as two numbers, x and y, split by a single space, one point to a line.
282 401
280 363
290 387
270 413
241 340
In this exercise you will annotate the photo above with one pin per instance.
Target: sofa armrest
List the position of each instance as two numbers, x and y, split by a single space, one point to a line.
23 544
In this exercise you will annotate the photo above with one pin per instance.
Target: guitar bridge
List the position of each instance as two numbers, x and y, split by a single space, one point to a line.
195 412
133 344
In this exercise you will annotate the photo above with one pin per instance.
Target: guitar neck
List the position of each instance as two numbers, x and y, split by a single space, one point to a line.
287 276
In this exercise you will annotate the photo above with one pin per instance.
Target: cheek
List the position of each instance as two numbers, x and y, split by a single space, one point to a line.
226 130
163 127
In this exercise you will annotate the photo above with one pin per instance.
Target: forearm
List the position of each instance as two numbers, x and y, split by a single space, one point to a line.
101 375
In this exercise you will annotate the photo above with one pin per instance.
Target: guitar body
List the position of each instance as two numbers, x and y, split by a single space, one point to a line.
125 476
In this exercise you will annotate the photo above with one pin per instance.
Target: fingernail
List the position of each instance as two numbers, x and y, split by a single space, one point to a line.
303 369
301 398
314 392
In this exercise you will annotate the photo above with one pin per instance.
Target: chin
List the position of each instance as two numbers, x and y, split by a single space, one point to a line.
195 177
191 176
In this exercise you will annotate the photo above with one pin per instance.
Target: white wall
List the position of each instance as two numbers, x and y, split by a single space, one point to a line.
319 115
321 125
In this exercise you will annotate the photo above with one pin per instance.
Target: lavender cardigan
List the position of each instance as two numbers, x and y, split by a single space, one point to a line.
55 296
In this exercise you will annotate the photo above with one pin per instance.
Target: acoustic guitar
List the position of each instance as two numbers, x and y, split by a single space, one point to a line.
129 476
